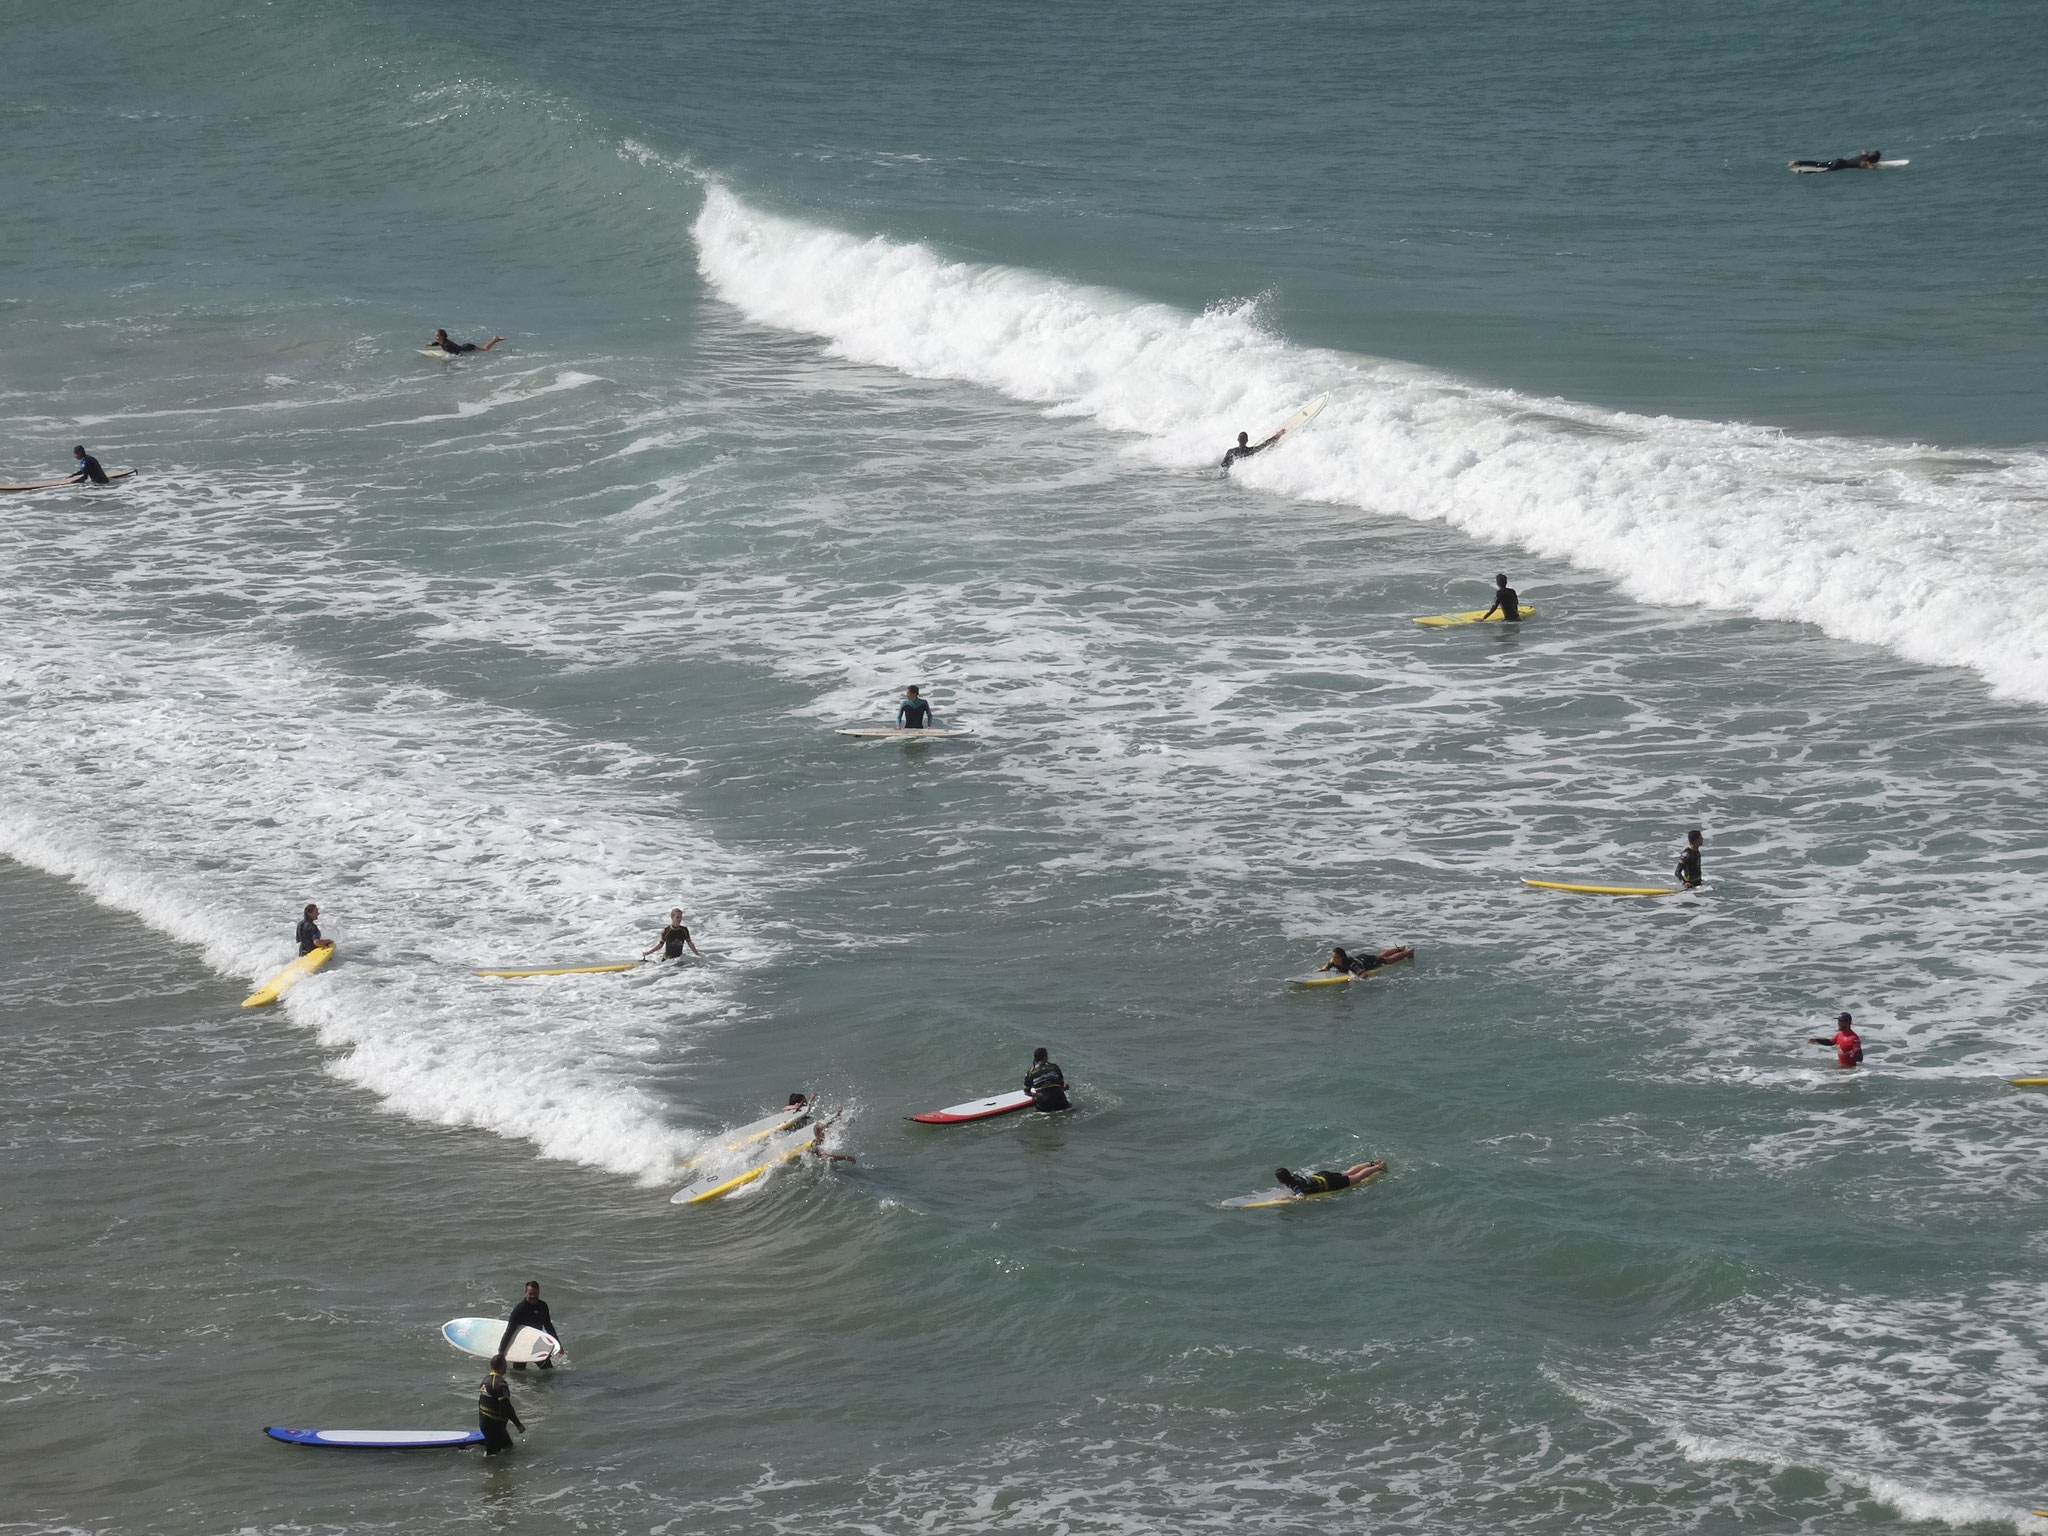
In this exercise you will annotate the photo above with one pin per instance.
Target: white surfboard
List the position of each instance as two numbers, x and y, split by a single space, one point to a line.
1815 170
742 1136
378 1439
902 732
50 485
757 1162
439 356
975 1109
1304 416
479 1336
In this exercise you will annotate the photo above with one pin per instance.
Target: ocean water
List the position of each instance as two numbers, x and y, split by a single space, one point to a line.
855 346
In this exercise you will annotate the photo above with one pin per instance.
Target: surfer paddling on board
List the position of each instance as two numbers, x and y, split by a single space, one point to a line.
817 1145
1046 1083
308 933
1329 1181
494 1409
441 343
1687 869
1866 160
1364 965
1246 448
1507 602
673 939
914 713
88 468
530 1312
1847 1043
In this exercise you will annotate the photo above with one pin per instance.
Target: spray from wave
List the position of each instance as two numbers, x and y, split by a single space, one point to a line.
1935 556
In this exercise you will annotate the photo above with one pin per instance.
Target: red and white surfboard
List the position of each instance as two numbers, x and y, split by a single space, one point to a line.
976 1109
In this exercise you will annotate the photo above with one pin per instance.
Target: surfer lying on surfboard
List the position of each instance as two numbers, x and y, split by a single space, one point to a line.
1361 965
1329 1181
443 344
1866 160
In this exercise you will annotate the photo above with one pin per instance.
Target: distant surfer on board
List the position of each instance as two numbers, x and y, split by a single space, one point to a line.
1867 160
308 933
529 1312
1246 448
88 467
1329 1181
1364 965
1046 1083
494 1409
1847 1043
913 714
442 343
1687 869
1506 601
673 939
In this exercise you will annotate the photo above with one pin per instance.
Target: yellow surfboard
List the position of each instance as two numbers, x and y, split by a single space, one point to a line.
709 1186
2030 1082
1273 1197
289 977
1604 890
1475 616
569 970
1339 979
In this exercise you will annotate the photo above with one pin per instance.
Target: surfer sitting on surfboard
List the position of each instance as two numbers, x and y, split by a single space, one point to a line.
1246 447
1865 161
1329 1181
309 932
88 467
442 343
1360 965
1688 867
1046 1083
913 714
673 938
1506 600
1847 1043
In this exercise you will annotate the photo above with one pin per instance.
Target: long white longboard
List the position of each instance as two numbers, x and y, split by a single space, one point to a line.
901 732
48 485
976 1109
1815 170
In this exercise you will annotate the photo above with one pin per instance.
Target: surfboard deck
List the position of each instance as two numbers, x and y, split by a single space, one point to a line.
1604 890
716 1182
378 1439
1268 1198
440 356
568 970
47 485
1472 616
1303 417
742 1136
903 732
479 1336
288 978
975 1109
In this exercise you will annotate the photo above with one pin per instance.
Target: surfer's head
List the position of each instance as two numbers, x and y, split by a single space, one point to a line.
910 692
533 1290
796 1099
497 1365
1845 1021
675 914
1243 438
1283 1175
1694 838
1500 581
440 334
312 911
1041 1054
78 451
1339 955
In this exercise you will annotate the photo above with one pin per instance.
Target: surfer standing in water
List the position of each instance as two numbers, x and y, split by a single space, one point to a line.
1847 1043
530 1312
494 1409
88 467
441 343
308 933
1330 1180
1506 600
673 939
1246 448
913 714
1688 867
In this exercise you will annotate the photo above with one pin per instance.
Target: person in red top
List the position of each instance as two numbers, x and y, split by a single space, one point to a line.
1847 1043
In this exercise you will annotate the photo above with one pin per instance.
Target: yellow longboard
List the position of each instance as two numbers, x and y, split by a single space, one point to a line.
709 1186
569 970
1273 1197
289 977
1604 890
2030 1082
1475 616
1336 979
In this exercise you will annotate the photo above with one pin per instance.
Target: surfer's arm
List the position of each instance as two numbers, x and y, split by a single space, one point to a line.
650 949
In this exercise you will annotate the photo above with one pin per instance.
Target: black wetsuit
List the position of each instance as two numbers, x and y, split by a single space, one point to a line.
1688 870
1362 965
308 935
914 714
457 346
1509 602
675 938
1244 452
1047 1086
89 469
1853 163
1318 1183
493 1412
529 1314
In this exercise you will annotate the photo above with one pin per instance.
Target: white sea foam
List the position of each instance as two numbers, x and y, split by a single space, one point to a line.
1935 556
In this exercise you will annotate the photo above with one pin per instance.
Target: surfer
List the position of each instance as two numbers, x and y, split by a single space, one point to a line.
309 932
1046 1083
913 714
674 938
494 1408
1687 869
817 1147
1330 1180
1506 600
88 467
1246 448
1865 160
531 1312
1363 965
1847 1043
799 1109
441 343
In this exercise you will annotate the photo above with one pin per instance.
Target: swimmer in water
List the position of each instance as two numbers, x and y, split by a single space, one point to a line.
441 343
1329 1181
1364 965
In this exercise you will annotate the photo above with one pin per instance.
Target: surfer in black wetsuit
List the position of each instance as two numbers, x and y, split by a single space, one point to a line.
913 714
1507 600
88 467
494 1409
1246 448
1362 965
531 1312
1865 161
1046 1083
1688 867
1330 1180
308 933
674 938
441 343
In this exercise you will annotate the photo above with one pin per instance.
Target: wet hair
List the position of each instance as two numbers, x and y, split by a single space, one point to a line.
1041 1054
533 1285
1243 438
796 1098
312 907
78 447
497 1365
1693 833
1843 1018
1283 1175
1500 581
911 689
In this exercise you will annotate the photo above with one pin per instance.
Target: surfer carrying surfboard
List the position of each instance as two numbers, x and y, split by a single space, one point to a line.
1506 601
1847 1043
673 939
1687 870
443 344
1246 447
1360 965
529 1312
88 467
1329 1181
309 932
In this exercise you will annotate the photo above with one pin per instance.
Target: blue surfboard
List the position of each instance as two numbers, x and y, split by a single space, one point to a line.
378 1439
